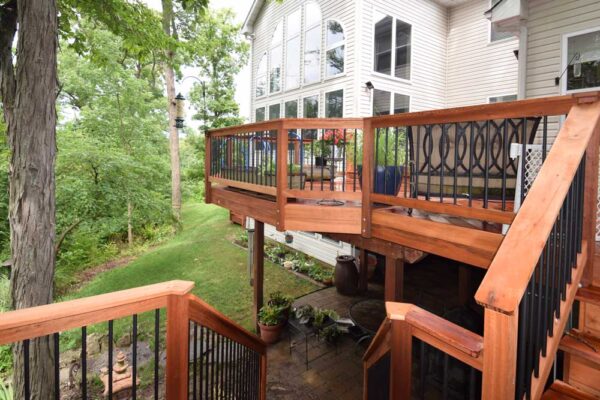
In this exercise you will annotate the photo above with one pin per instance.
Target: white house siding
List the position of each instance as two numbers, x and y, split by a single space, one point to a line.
272 13
477 69
547 22
312 244
428 66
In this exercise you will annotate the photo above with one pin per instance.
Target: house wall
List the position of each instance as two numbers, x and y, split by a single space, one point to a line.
547 22
429 22
476 68
265 24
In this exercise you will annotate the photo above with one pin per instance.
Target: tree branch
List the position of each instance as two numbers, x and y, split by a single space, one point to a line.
64 234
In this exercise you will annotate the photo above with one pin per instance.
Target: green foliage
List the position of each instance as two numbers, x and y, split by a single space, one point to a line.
217 48
6 361
304 314
6 391
278 299
4 293
331 334
192 165
321 315
270 315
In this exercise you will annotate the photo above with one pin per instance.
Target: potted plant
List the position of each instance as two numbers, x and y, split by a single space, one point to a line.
304 314
330 334
284 302
323 316
270 322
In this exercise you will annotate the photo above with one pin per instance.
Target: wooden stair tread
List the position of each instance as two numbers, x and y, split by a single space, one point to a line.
582 348
589 294
562 391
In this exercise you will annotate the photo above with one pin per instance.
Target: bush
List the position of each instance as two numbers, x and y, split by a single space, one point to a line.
4 293
6 391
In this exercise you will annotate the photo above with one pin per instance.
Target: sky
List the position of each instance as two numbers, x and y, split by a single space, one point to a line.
242 82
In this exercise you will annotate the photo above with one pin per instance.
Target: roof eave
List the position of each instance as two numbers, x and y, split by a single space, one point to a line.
248 27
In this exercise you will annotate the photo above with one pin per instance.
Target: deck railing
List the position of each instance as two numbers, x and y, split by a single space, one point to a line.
225 359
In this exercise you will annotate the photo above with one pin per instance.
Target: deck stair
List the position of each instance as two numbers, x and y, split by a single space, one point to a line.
589 295
562 391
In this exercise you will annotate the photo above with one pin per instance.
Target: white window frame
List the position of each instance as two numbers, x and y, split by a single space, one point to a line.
264 57
264 109
303 58
297 100
300 56
333 46
272 46
489 99
392 100
392 76
564 61
331 90
489 34
318 96
268 110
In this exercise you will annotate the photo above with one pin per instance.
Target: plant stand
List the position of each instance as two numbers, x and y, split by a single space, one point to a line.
306 332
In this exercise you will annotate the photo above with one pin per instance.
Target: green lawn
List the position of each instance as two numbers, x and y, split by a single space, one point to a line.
202 252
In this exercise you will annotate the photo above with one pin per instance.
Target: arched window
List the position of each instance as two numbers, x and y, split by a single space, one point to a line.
292 51
275 59
261 77
336 43
312 43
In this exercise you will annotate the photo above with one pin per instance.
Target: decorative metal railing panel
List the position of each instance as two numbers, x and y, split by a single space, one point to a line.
541 303
221 368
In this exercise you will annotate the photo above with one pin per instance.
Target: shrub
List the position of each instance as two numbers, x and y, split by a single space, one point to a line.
270 315
4 293
6 391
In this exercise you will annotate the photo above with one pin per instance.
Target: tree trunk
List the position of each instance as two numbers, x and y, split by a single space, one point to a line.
129 224
29 98
167 19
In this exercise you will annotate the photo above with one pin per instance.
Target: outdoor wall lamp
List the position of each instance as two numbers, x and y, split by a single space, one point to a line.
180 114
370 85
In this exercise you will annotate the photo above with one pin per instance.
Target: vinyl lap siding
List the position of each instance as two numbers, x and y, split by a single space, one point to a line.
428 67
477 69
548 21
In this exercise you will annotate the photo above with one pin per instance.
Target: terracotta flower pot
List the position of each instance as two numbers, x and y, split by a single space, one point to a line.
270 333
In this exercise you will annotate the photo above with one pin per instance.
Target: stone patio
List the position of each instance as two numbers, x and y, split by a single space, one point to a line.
431 284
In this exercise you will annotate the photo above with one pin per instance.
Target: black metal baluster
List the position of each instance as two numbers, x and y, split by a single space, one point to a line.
523 158
134 357
56 338
553 276
26 374
332 177
84 363
110 358
418 165
544 138
539 314
422 371
505 153
471 155
355 165
323 158
472 383
205 334
443 156
396 159
406 163
445 381
486 170
546 302
385 158
344 162
376 164
428 141
221 365
156 350
455 177
195 363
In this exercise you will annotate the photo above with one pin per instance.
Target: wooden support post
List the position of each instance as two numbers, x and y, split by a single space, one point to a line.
394 279
589 203
207 171
363 271
176 378
465 284
401 360
367 177
258 264
263 377
297 159
500 336
282 174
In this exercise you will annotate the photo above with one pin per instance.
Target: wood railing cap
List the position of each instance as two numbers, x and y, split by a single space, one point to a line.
94 304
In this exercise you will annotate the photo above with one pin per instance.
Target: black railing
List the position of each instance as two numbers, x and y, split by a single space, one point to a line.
221 368
245 157
448 162
87 389
324 159
541 303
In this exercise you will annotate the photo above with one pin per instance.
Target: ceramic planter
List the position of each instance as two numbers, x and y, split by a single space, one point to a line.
270 333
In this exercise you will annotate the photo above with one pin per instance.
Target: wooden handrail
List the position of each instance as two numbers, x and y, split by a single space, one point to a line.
59 317
291 123
379 345
509 273
556 105
207 316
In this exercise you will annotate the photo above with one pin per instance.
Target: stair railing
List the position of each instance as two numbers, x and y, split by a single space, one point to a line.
530 286
225 359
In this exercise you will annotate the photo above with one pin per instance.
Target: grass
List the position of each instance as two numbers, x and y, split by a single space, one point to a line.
203 253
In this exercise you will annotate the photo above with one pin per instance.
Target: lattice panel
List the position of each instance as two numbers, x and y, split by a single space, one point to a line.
533 164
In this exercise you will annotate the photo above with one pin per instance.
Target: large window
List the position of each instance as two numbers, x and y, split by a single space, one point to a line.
291 109
312 43
583 55
392 47
311 107
292 51
259 114
261 77
495 33
275 59
335 49
386 103
334 104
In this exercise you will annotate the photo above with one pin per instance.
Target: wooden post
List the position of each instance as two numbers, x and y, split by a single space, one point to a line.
176 378
500 357
401 360
282 181
394 279
258 264
589 203
207 171
367 177
297 159
363 271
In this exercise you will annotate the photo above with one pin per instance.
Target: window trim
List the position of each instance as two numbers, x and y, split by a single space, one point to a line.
564 55
341 43
392 76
